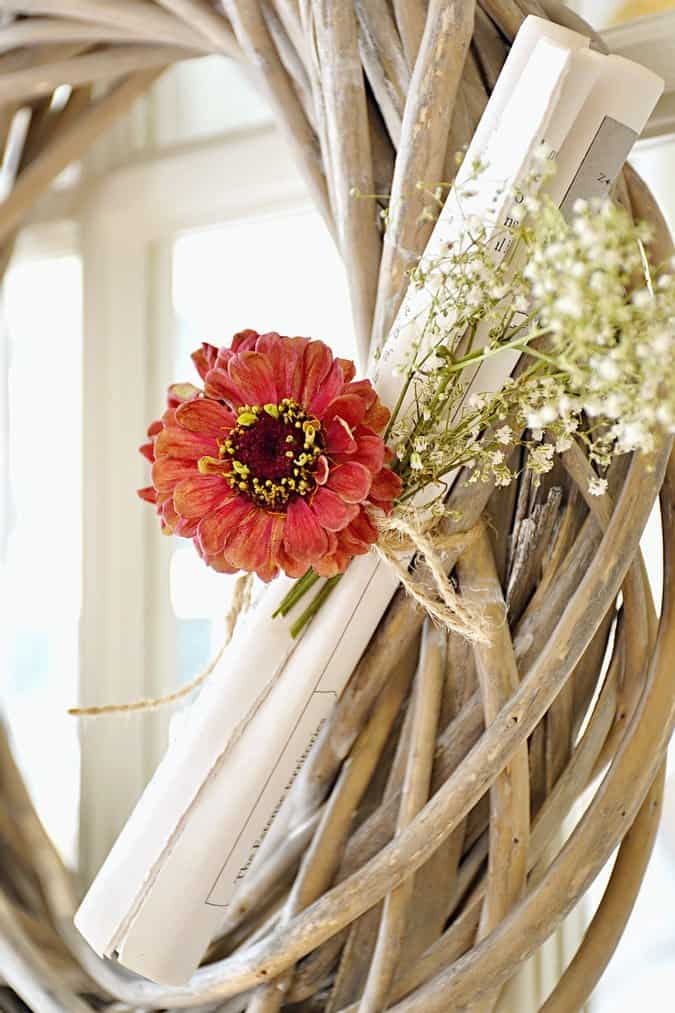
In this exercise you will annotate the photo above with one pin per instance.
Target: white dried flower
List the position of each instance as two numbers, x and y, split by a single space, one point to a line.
597 486
504 435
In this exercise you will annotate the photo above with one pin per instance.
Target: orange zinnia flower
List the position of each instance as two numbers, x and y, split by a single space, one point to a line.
277 463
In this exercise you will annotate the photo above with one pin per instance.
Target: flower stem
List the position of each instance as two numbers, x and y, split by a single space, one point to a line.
298 591
314 605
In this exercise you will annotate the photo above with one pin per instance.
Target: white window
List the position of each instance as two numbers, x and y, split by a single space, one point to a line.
41 526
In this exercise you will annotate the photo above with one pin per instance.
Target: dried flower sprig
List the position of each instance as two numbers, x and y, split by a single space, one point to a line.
595 328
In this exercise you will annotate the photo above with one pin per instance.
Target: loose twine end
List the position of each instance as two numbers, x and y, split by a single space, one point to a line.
399 537
241 600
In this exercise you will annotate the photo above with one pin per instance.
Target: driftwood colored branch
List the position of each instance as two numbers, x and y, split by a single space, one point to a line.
415 866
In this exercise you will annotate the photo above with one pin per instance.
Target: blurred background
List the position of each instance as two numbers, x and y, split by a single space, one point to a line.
187 223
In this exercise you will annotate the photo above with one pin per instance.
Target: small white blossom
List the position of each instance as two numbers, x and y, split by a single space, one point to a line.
597 486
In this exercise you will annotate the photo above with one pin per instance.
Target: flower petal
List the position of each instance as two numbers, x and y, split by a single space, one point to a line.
180 392
270 567
220 385
205 358
176 442
170 518
244 341
349 407
273 347
316 363
351 481
321 470
253 545
332 511
304 538
252 374
215 528
148 451
370 453
363 389
294 375
348 369
359 535
167 471
220 564
339 437
329 388
205 416
291 567
200 495
386 486
148 493
377 417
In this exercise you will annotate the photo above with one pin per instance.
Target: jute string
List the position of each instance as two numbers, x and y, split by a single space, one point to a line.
241 600
402 537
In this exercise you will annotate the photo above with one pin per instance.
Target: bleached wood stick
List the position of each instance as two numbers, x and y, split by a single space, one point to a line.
51 31
142 19
68 146
17 60
605 821
289 15
506 14
491 48
410 18
414 794
116 61
291 60
421 156
28 973
454 940
606 929
352 167
498 680
384 61
200 16
254 38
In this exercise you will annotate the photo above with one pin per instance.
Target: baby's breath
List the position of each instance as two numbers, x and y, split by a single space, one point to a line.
595 326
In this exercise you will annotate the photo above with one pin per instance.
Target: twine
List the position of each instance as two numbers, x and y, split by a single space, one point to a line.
401 537
398 537
241 600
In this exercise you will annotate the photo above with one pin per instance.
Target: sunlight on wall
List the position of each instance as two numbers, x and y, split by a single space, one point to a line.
40 558
281 273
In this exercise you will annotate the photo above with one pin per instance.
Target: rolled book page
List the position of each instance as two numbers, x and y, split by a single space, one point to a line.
201 824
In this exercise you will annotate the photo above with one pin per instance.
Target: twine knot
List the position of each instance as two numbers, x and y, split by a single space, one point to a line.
402 535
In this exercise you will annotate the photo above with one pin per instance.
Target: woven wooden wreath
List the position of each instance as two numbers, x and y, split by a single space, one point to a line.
376 95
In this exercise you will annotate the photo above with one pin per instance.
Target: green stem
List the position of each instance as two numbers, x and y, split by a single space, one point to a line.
397 407
314 606
298 591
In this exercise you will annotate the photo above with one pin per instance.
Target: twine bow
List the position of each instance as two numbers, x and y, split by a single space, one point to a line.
401 537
